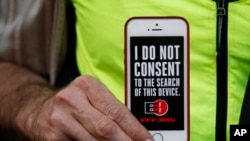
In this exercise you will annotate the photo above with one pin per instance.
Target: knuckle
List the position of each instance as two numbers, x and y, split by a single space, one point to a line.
115 112
62 96
105 128
83 81
88 84
47 135
55 119
53 137
66 97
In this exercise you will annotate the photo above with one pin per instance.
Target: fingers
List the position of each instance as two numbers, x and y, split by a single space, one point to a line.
93 124
99 125
61 119
111 110
86 111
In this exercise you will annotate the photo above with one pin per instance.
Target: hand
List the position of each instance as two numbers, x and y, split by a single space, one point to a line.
85 111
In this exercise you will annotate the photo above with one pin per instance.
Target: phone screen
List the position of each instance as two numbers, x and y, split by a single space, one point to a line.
157 81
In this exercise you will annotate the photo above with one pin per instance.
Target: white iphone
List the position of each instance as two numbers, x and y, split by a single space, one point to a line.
157 75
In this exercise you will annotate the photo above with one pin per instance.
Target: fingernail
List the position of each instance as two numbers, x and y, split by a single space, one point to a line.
149 140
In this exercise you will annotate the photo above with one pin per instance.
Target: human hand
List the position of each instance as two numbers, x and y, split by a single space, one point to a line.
85 111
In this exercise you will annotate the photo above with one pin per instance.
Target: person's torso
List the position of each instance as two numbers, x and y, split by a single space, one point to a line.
100 51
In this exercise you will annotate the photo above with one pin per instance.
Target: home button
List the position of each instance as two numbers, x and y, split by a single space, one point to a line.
158 137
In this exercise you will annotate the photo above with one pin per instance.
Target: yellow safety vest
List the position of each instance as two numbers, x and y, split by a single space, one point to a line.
100 51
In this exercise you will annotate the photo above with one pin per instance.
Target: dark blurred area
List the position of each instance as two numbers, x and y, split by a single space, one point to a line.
69 69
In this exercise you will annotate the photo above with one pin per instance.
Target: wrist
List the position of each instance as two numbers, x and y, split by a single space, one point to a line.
36 98
21 93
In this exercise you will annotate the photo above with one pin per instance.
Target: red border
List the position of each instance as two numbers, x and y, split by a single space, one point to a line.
188 57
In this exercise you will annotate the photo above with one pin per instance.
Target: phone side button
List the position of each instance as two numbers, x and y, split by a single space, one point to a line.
158 137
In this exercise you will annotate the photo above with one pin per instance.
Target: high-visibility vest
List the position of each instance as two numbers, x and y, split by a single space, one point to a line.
100 52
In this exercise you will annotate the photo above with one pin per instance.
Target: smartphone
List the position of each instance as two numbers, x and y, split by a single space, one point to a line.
157 75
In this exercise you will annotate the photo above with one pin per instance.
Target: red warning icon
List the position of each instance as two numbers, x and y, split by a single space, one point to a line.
158 107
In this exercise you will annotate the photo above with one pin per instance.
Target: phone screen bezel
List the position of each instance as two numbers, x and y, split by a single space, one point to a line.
171 26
